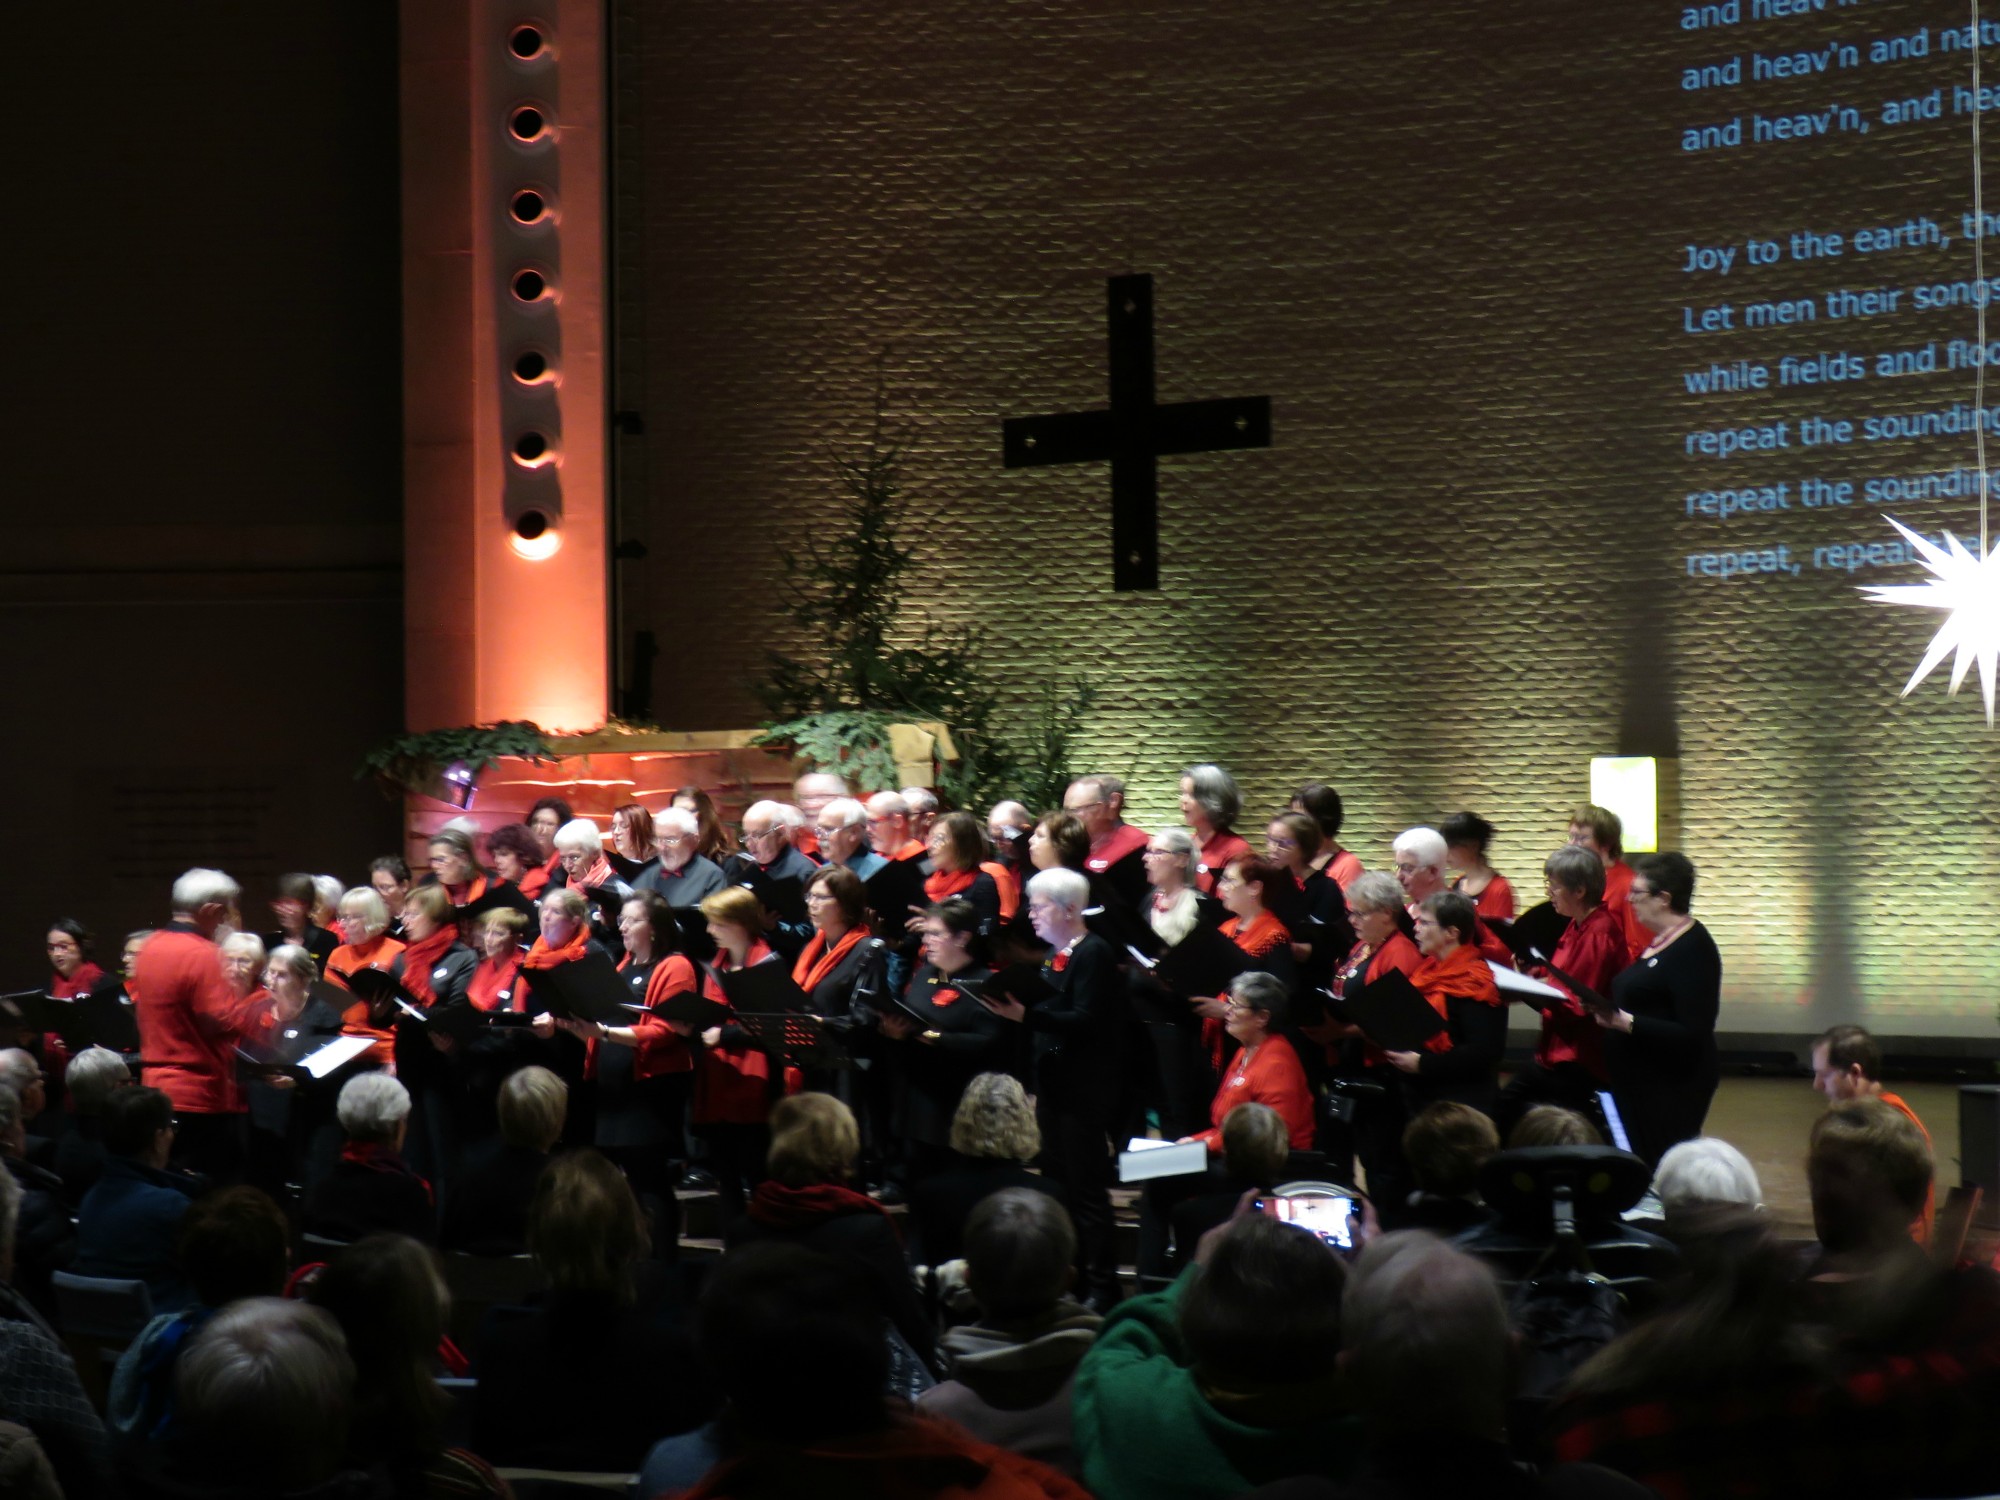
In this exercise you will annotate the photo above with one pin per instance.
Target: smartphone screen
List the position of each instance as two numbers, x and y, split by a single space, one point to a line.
1331 1218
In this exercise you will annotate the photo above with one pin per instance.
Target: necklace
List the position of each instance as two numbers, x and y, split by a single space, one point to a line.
1667 937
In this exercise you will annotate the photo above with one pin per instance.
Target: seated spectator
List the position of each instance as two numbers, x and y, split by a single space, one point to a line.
610 1322
1224 1381
795 1348
1427 1354
129 1226
22 1072
80 1154
1552 1125
1847 1064
262 1398
391 1305
25 1470
1445 1146
1256 1144
486 1212
233 1244
1877 1375
1701 1177
1013 1370
39 1388
806 1200
371 1189
993 1138
44 1237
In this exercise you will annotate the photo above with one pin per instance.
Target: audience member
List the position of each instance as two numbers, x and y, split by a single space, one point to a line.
1256 1145
609 1322
128 1228
807 1200
1700 1176
39 1388
391 1305
1012 1372
993 1138
1445 1146
80 1154
233 1244
1552 1125
1226 1380
486 1211
1847 1064
371 1189
795 1348
1427 1355
262 1400
44 1237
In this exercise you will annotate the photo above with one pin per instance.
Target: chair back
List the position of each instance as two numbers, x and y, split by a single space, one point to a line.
97 1308
480 1283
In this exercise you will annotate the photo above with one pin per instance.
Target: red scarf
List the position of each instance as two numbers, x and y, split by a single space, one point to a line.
776 1206
420 957
380 1156
542 956
78 984
489 979
1462 973
598 872
536 880
910 850
1263 934
942 884
816 962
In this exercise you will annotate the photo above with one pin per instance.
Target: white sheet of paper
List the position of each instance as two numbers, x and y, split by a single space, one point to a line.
1523 984
342 1049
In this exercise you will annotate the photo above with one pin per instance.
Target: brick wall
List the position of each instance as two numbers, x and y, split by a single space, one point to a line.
1441 237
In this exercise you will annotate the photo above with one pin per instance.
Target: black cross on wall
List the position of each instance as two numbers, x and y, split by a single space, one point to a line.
1134 432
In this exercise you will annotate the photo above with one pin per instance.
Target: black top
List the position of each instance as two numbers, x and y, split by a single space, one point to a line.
80 1156
1664 1073
359 1198
419 1063
940 1205
486 1212
1077 1032
853 990
866 1240
931 1075
317 941
583 1381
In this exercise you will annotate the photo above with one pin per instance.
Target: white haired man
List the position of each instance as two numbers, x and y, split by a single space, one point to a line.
843 837
1076 1034
683 876
811 792
190 1020
1117 848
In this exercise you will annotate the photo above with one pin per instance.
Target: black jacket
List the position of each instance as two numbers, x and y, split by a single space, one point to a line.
1078 1032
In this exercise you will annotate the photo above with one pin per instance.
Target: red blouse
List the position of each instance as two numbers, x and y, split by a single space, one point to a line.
1269 1073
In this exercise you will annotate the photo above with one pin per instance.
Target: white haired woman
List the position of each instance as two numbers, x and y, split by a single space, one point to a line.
1174 909
684 875
364 922
587 871
1211 802
371 1189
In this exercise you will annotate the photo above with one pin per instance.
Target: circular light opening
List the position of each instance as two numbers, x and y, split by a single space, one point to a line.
526 42
534 536
531 447
527 123
529 285
527 206
531 366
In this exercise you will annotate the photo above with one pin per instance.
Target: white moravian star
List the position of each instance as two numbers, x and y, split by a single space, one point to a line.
1968 588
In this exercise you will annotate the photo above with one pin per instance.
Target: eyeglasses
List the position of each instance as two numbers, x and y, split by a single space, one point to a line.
1282 843
1635 893
1083 807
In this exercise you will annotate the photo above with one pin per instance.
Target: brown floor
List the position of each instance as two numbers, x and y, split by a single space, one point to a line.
1768 1119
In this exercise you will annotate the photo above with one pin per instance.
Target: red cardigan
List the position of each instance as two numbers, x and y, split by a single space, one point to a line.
661 1049
1270 1075
189 1022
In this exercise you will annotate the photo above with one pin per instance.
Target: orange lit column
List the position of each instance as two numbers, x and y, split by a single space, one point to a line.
505 599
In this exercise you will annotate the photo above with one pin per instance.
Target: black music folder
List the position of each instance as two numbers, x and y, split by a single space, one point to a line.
1392 1013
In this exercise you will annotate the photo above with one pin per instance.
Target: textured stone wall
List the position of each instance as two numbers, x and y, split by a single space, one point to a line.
1442 238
